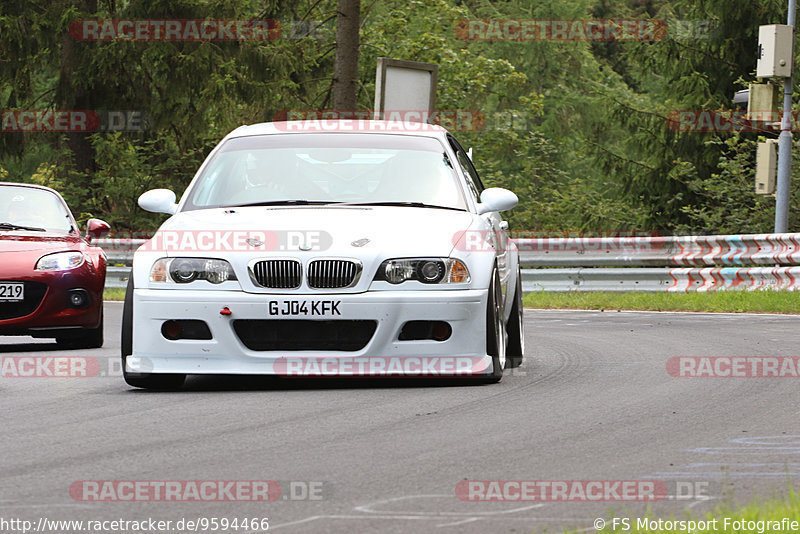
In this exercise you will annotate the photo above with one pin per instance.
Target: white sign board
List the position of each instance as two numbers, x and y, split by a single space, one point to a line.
405 86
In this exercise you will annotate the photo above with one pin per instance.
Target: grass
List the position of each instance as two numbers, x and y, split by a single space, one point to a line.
720 301
726 517
116 293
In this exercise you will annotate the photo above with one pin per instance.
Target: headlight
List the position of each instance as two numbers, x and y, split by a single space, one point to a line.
425 270
60 261
185 270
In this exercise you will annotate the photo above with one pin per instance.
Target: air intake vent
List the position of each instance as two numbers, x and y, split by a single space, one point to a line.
303 334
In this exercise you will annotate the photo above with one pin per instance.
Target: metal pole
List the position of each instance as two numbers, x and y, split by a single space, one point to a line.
785 144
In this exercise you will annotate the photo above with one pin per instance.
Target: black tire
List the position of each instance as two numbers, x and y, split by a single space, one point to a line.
90 338
495 330
515 350
141 380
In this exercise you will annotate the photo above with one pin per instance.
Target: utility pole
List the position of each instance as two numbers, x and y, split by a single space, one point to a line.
782 185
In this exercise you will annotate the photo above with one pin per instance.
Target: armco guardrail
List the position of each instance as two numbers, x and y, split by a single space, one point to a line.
664 263
662 251
679 280
119 252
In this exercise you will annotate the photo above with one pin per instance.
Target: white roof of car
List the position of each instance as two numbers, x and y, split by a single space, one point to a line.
341 126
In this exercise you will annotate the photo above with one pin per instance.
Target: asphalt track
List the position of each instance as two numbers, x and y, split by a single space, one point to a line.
594 401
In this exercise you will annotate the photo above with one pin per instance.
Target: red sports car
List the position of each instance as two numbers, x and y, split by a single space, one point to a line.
51 277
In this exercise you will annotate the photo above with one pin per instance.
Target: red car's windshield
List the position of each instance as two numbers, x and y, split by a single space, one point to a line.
31 209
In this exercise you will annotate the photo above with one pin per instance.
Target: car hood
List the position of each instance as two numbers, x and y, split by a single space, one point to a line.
347 231
36 242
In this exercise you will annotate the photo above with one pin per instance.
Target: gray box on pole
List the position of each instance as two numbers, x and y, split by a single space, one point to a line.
774 51
766 167
763 103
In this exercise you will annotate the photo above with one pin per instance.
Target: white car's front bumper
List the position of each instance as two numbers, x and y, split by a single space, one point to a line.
464 352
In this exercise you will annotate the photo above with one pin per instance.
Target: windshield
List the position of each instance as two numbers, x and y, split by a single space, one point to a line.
30 209
328 168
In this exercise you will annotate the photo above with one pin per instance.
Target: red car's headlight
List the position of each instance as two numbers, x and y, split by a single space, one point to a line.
60 261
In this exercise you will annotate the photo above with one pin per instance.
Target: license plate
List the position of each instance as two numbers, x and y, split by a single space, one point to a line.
309 308
12 291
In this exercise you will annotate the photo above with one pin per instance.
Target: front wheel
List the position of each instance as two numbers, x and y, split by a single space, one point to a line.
141 380
495 330
516 329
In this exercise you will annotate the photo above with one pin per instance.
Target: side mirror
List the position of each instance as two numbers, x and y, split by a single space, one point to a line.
496 199
96 228
159 201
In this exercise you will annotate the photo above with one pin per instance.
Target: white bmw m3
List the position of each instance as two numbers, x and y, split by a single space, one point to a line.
330 249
